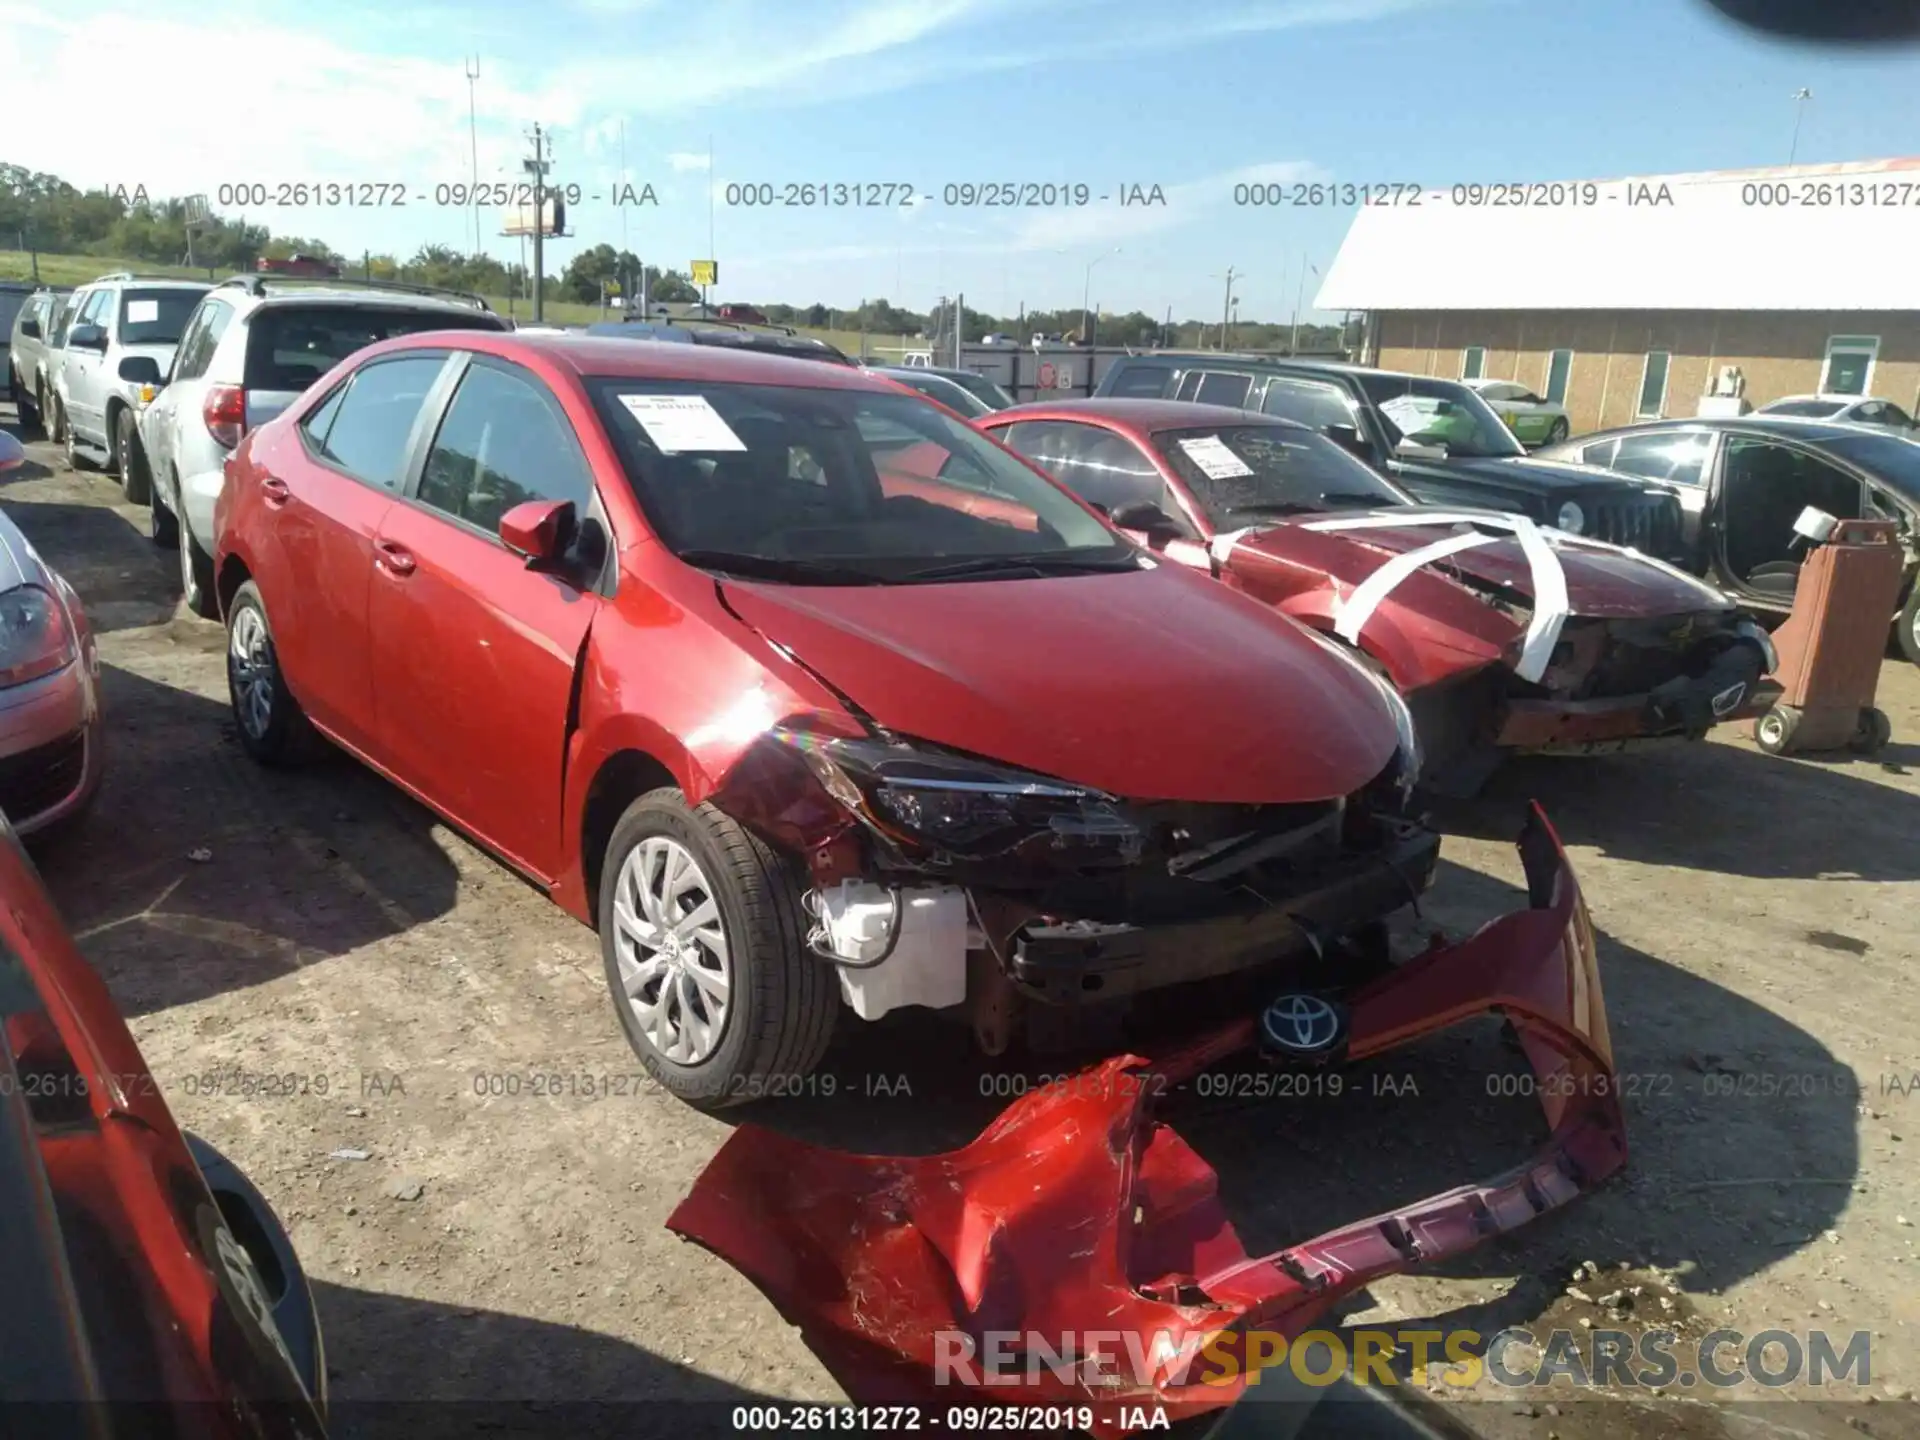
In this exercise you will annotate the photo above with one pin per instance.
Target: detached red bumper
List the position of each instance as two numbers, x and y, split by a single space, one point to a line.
1076 1213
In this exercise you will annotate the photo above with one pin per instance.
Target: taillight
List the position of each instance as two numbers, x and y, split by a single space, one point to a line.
226 414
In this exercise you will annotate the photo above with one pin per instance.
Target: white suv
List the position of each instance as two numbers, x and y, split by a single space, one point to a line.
252 347
116 318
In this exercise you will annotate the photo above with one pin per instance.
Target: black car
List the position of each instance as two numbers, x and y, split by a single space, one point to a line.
1744 481
1433 437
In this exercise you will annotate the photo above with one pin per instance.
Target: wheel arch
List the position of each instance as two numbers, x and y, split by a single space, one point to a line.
620 779
232 574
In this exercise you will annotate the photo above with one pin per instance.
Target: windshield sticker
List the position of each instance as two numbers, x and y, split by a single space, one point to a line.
142 312
679 423
1213 457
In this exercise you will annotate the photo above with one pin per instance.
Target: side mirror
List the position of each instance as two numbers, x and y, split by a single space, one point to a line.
1348 437
1146 517
141 370
30 329
540 530
87 337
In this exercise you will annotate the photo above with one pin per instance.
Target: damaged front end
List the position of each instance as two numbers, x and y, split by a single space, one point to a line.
1078 1213
940 879
1615 684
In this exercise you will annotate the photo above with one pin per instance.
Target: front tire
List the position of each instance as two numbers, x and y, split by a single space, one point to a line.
273 729
704 942
196 575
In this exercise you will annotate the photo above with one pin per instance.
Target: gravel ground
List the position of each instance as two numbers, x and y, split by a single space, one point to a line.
313 964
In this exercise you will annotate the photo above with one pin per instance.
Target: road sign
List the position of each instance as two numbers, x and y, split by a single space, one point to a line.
553 218
706 272
1048 375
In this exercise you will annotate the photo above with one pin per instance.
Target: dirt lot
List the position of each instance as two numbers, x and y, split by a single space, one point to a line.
1758 923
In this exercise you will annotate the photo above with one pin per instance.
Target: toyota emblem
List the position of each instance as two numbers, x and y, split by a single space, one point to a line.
1303 1026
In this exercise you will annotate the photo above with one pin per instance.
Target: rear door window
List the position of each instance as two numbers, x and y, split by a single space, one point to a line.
289 347
370 430
1216 387
1141 382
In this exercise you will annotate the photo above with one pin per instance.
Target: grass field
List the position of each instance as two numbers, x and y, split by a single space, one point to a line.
79 269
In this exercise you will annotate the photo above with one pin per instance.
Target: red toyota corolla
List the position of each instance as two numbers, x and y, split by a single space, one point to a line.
802 692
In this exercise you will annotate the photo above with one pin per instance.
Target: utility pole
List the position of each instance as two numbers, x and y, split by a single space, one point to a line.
1800 98
537 167
473 142
1299 294
959 328
1226 305
711 255
1086 297
623 209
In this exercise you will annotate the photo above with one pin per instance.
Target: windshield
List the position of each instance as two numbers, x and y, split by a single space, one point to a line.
829 486
1814 409
1439 412
983 390
1239 473
156 317
290 347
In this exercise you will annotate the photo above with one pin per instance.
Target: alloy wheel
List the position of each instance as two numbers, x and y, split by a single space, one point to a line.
676 970
250 671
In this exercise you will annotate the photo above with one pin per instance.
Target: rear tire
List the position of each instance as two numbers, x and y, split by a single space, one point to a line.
131 460
779 999
273 729
1557 431
196 575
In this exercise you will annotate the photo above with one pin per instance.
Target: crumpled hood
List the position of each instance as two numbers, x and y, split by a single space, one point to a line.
1154 684
1602 580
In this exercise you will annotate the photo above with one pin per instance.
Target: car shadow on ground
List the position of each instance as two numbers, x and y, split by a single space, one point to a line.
413 1369
1728 809
1718 1176
125 581
403 1367
199 872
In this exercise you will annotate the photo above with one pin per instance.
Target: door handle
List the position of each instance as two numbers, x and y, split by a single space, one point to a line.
275 490
397 558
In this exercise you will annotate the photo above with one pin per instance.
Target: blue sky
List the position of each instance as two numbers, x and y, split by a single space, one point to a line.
1111 93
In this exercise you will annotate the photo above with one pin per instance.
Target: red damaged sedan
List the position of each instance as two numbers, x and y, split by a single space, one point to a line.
1502 635
797 724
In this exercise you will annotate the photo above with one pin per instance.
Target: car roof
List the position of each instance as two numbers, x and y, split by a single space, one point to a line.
1143 414
1229 358
1801 427
594 357
347 297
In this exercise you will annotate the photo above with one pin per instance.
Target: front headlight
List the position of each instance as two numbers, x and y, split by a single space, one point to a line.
923 799
35 639
1410 759
1570 518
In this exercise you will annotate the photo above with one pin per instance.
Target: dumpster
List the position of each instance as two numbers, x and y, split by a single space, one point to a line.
1831 646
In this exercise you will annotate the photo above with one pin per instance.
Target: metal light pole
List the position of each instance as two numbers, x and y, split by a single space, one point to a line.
1086 297
1800 98
538 167
473 141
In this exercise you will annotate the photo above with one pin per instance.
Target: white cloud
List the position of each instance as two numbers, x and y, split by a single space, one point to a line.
681 161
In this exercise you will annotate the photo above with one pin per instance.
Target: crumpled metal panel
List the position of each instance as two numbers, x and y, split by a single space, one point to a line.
1077 1211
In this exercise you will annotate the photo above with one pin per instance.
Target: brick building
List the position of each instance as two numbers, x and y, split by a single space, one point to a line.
1627 299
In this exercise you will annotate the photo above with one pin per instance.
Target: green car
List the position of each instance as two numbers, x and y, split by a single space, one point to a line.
1534 421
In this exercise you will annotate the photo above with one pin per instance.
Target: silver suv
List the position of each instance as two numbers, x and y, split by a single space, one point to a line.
116 318
253 345
28 348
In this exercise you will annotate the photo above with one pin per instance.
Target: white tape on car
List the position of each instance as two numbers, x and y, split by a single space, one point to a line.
1354 612
1550 602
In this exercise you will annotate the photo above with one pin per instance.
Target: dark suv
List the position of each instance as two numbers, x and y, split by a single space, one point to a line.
1434 437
